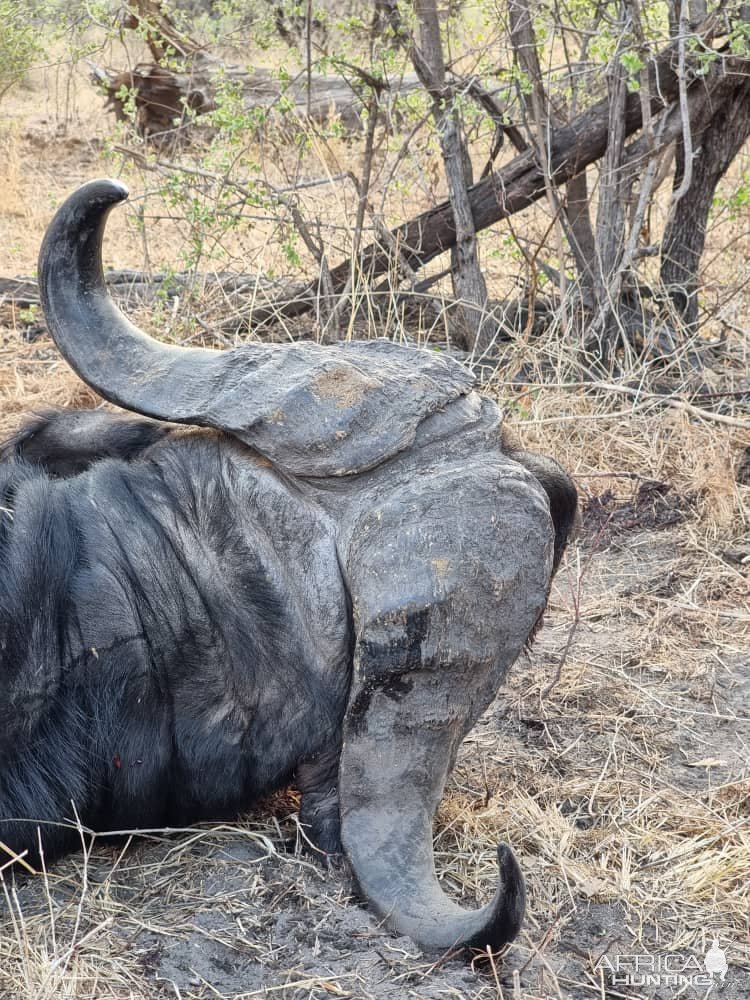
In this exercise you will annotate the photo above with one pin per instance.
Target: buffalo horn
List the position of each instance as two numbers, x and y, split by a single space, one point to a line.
313 409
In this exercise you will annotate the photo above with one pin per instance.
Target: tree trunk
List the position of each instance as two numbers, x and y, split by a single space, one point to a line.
610 217
573 209
469 286
682 247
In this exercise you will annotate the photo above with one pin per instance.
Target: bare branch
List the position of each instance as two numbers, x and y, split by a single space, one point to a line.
687 138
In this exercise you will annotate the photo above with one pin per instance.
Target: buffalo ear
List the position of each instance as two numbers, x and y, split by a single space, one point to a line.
562 495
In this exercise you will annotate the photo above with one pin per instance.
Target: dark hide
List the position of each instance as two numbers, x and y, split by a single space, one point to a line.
67 442
177 637
329 584
159 664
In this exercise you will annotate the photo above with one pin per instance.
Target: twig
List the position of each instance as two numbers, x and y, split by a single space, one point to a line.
677 404
15 858
308 55
576 595
494 973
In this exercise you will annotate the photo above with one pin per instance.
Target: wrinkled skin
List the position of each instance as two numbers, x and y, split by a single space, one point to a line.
190 618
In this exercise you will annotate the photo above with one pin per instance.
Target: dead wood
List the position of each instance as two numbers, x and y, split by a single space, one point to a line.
165 99
474 327
21 293
133 288
226 297
521 182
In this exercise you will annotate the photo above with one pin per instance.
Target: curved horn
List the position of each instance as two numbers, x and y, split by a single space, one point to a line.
109 353
387 835
390 788
439 618
299 404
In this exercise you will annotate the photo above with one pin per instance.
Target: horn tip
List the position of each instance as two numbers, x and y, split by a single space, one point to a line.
100 193
509 905
513 893
114 189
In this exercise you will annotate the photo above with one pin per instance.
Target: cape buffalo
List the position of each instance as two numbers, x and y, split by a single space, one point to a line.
321 579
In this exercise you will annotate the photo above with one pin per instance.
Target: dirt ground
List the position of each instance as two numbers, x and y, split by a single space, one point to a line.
624 787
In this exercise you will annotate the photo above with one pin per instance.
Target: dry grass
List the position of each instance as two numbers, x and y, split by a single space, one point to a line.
629 782
625 790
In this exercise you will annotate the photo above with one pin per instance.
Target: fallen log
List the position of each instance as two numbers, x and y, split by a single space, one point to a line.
133 288
520 183
21 293
165 99
219 302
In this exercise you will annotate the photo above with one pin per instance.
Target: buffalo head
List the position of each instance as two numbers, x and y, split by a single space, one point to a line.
403 552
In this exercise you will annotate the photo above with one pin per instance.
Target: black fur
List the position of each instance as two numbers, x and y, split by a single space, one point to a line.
67 442
145 611
154 659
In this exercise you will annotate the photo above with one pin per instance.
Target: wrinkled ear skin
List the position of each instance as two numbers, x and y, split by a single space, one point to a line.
560 489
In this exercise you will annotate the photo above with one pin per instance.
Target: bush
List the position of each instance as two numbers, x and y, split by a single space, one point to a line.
19 44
